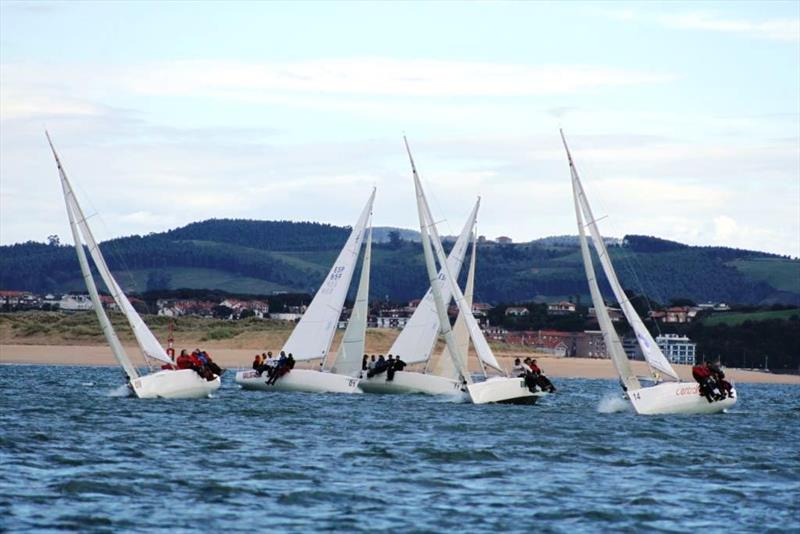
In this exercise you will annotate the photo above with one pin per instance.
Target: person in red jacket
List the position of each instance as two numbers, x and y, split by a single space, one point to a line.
702 374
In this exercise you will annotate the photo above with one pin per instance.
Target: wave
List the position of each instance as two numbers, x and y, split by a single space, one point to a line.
613 403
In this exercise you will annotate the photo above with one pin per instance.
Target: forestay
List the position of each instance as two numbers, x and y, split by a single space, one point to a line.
652 353
312 336
348 357
416 341
147 342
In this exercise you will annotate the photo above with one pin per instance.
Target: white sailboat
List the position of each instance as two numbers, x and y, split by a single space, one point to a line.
184 383
416 342
496 388
311 338
662 397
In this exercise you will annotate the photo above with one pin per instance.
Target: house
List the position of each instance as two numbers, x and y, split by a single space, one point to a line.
590 344
517 311
561 308
504 240
676 314
392 318
72 303
260 308
180 308
615 314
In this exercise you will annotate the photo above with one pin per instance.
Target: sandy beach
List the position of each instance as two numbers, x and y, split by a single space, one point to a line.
233 358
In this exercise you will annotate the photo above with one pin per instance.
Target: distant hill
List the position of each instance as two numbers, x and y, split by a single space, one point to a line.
262 257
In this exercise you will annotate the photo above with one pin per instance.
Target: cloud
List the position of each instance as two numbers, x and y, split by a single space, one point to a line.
784 29
250 81
777 29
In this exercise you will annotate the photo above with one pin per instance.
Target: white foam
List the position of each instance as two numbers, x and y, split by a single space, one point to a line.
121 391
613 403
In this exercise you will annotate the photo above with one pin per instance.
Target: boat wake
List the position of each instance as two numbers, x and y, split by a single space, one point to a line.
613 403
120 391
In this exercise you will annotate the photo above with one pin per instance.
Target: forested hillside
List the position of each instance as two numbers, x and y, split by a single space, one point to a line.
261 257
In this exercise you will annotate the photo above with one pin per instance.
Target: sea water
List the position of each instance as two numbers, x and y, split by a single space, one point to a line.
74 454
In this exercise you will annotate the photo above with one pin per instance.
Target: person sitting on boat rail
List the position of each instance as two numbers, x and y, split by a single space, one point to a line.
257 363
397 365
542 381
283 366
725 388
364 363
518 369
372 363
210 364
380 366
702 374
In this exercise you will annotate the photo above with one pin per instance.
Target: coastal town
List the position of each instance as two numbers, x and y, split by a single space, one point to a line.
504 324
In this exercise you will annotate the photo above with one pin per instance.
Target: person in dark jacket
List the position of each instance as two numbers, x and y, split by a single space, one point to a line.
702 375
397 365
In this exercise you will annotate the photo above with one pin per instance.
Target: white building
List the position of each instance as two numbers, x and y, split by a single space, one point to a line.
75 303
677 349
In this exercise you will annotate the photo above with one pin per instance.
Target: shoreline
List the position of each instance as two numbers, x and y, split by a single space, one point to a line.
233 358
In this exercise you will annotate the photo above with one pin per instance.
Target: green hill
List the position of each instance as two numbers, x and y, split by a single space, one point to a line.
261 257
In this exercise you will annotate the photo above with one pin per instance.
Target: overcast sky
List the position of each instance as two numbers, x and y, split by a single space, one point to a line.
683 118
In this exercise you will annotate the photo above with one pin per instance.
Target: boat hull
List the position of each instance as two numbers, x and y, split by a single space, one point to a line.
178 384
502 390
300 380
676 398
409 382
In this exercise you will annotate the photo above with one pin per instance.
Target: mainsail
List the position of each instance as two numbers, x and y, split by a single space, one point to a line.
416 341
478 340
652 353
348 357
147 342
312 336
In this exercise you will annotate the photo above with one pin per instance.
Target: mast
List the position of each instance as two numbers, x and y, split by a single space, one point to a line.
147 342
441 310
417 339
102 317
652 353
610 337
348 357
444 366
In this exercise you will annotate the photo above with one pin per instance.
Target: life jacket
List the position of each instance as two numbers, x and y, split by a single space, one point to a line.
184 362
535 369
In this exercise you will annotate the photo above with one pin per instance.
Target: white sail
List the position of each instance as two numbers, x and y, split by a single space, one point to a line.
610 337
652 353
102 317
430 265
147 342
312 336
444 362
416 341
351 350
478 340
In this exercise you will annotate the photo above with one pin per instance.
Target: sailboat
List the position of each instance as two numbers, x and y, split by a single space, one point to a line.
416 341
312 337
664 393
169 383
502 389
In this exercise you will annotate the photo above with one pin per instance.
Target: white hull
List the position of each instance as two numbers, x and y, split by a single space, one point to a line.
502 389
408 382
179 384
676 398
300 380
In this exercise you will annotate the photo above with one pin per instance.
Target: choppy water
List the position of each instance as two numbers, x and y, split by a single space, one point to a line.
73 456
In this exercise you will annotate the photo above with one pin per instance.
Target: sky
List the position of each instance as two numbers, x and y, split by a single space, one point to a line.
683 118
